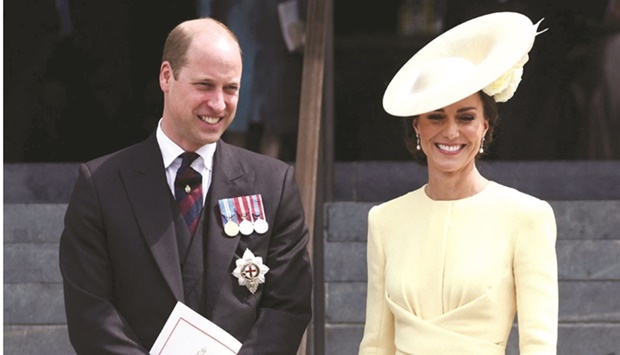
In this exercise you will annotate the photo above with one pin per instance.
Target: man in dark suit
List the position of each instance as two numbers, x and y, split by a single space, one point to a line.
126 253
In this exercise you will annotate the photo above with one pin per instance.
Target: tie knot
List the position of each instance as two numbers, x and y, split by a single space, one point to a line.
187 158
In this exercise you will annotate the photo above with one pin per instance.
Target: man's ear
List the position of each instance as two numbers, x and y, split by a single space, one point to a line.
165 76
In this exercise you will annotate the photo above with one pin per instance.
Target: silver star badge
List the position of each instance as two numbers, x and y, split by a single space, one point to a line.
250 271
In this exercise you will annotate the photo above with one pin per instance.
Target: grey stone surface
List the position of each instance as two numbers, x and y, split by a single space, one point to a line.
344 188
579 339
590 301
381 181
573 339
558 180
345 302
39 182
588 250
549 180
577 260
345 261
588 259
597 219
580 301
589 338
587 209
31 263
37 339
587 219
343 339
346 221
34 304
33 223
367 180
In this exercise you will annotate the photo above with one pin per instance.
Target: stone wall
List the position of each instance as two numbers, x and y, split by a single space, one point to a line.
34 313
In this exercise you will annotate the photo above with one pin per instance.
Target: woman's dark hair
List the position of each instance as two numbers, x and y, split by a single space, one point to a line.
491 114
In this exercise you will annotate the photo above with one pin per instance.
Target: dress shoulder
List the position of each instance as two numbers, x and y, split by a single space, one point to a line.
511 197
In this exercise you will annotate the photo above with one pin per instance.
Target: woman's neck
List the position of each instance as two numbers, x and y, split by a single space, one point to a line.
455 186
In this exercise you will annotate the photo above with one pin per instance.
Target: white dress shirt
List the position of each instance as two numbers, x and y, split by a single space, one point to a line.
170 152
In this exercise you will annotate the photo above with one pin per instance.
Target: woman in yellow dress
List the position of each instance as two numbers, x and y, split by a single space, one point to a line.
451 263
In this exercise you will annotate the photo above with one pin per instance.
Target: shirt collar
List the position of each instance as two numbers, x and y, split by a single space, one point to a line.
170 151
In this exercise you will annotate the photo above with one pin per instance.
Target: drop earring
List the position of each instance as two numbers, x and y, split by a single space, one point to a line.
481 146
417 140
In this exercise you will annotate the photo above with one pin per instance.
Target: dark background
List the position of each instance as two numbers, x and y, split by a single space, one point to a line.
83 85
553 115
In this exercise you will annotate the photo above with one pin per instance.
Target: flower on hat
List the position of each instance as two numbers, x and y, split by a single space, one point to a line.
504 87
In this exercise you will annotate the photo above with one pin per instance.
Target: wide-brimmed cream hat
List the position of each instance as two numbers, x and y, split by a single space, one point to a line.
486 53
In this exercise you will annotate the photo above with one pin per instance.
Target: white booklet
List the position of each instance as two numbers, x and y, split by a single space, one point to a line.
187 332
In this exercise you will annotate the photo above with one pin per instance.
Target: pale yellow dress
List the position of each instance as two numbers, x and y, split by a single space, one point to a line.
446 277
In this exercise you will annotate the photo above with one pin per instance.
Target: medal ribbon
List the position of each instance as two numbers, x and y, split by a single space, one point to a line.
258 200
255 208
230 208
251 209
225 211
240 207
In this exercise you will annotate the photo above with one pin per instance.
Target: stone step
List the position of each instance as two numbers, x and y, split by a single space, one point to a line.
31 263
548 180
578 260
37 339
33 222
576 220
589 270
368 180
588 249
573 339
580 302
39 182
34 304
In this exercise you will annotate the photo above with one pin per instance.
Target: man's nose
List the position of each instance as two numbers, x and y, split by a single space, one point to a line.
216 101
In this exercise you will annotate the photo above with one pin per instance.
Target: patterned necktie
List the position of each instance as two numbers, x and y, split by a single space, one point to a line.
188 191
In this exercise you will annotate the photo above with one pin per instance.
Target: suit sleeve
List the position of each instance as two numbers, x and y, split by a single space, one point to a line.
95 325
285 307
536 282
379 327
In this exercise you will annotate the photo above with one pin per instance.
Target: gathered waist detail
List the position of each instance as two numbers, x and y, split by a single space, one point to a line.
414 335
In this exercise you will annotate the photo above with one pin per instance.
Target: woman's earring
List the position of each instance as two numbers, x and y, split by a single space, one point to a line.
417 140
481 146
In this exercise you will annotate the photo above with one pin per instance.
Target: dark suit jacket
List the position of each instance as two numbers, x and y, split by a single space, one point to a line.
120 264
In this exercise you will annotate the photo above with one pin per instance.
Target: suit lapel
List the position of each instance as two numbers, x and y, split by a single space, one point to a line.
148 191
230 179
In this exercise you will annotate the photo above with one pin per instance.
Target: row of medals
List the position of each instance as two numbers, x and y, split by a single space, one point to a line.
246 227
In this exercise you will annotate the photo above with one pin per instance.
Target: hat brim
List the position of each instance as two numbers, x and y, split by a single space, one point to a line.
490 45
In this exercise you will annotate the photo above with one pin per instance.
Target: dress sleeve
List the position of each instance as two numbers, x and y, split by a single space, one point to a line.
536 281
379 327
